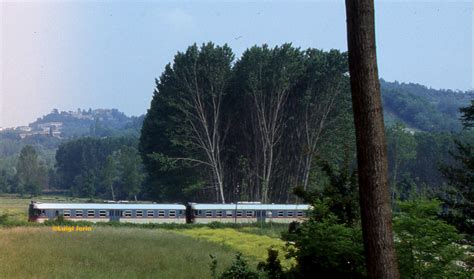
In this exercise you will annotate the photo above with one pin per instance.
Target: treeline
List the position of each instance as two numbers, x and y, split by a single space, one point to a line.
223 130
109 168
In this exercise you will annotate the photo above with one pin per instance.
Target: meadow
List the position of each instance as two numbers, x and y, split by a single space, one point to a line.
116 250
40 252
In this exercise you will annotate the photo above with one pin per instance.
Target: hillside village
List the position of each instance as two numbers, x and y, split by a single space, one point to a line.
67 124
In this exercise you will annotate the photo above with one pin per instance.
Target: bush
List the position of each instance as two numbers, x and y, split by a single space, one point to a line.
272 267
239 269
326 247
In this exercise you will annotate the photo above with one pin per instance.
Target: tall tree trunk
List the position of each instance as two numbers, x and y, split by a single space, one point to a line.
371 146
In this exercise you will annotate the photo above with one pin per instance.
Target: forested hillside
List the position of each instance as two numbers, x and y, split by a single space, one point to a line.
423 108
48 132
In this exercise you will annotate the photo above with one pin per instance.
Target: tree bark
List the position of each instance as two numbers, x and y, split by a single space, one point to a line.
371 146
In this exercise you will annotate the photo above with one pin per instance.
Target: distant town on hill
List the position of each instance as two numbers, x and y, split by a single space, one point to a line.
73 124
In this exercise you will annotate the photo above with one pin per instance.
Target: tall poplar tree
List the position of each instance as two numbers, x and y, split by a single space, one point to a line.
29 172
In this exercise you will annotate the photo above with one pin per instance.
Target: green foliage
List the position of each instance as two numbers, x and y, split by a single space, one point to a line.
213 266
272 267
31 174
426 246
459 197
239 269
326 247
402 150
209 115
467 117
422 108
98 167
249 244
340 193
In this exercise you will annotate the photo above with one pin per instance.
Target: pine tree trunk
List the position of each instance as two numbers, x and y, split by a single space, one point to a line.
371 146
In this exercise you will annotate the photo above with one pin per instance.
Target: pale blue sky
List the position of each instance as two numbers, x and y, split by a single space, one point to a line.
85 54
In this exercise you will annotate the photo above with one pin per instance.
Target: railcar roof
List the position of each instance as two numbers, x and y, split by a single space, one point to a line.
108 206
240 206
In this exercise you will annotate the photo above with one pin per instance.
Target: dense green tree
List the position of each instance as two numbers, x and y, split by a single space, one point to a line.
110 175
426 245
4 183
460 196
267 78
30 174
468 115
326 247
83 166
402 150
128 172
190 97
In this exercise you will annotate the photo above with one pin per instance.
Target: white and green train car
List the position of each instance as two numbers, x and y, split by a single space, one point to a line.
104 212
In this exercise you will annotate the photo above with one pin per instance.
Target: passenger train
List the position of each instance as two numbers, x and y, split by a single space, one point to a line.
242 212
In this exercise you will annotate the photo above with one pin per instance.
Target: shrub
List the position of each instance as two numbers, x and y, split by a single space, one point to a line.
326 247
272 267
239 269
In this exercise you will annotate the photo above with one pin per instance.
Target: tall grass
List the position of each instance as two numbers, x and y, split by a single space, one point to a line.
105 253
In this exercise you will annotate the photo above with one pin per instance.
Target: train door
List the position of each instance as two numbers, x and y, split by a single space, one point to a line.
115 215
261 215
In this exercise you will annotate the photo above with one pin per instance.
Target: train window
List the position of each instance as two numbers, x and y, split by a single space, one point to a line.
90 213
161 213
139 213
289 213
208 213
249 213
280 213
269 214
228 213
78 213
199 212
239 213
150 213
172 213
43 212
127 213
219 213
103 213
67 213
299 213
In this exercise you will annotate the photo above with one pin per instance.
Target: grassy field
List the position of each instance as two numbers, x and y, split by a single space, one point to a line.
17 207
123 250
106 253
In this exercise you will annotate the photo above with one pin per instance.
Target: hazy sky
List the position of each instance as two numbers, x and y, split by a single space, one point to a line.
89 54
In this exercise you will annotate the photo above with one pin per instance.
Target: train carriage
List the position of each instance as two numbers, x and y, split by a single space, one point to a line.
247 212
97 212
